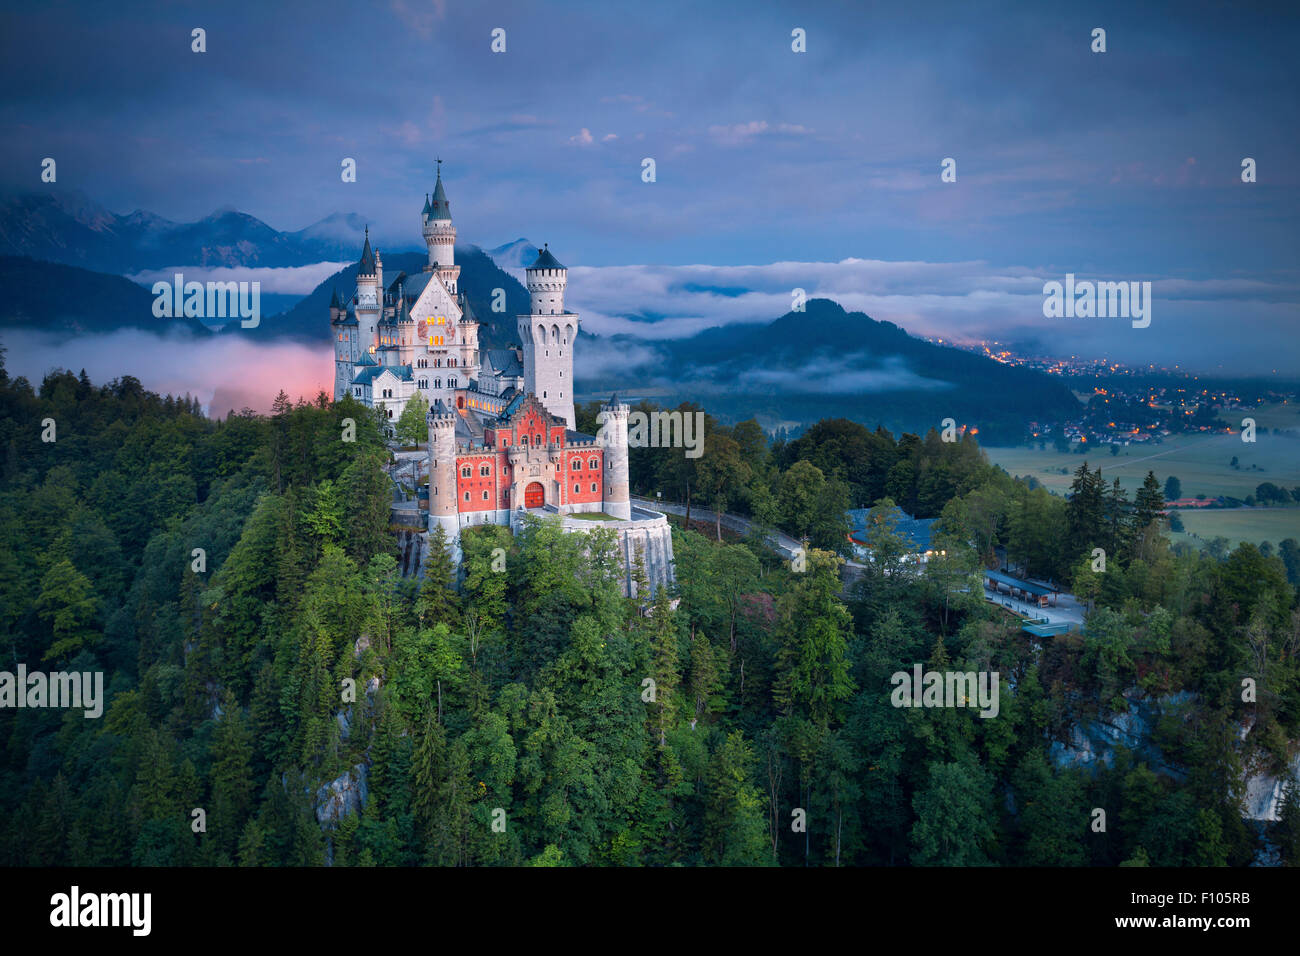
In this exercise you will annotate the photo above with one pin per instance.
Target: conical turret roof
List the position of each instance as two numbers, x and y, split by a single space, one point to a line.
545 260
439 208
367 265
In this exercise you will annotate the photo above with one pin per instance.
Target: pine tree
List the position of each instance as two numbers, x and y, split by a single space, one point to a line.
1148 504
232 785
437 601
664 668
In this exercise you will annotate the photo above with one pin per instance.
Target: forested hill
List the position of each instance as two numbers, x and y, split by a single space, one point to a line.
825 362
234 581
43 296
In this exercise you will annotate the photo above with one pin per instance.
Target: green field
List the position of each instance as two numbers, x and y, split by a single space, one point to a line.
1202 463
1240 524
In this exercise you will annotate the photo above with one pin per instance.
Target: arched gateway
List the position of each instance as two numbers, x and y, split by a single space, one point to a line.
534 497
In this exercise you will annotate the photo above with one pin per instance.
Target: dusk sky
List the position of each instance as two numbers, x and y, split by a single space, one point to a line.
1122 165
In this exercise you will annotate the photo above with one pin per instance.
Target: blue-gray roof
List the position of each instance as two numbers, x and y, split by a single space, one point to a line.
367 264
545 260
412 286
441 208
368 375
503 362
1036 589
510 409
917 531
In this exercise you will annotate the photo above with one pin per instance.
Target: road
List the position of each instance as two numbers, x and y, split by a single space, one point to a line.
778 541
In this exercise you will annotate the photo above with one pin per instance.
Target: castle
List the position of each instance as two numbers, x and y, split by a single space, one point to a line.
502 442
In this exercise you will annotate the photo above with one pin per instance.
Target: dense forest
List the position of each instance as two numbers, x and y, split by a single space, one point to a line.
525 712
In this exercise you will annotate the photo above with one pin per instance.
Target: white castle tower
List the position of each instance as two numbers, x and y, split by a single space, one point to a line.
548 336
347 345
443 508
440 236
613 432
369 284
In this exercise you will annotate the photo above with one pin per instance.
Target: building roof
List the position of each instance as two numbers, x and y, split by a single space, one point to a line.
1035 589
503 362
427 208
440 207
372 373
466 313
545 260
413 286
917 531
367 265
514 404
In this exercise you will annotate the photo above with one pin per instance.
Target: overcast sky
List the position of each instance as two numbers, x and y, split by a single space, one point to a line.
1122 165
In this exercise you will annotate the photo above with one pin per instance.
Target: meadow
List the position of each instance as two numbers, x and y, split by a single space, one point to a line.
1203 465
1240 524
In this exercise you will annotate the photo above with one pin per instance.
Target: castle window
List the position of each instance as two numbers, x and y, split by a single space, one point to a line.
467 496
594 464
577 489
593 486
466 472
485 470
485 496
358 391
451 383
577 464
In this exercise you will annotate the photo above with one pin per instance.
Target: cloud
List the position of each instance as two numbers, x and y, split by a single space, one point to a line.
420 15
965 302
583 137
290 280
846 375
224 371
739 134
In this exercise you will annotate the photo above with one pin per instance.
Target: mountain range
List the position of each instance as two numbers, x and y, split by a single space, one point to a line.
69 228
792 370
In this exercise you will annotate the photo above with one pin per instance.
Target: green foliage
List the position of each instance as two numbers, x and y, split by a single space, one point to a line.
499 712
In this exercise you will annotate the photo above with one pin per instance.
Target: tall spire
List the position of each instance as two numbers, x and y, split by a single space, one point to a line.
367 264
440 208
